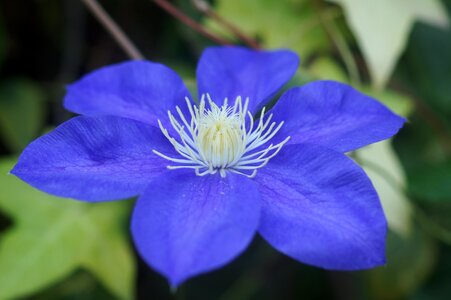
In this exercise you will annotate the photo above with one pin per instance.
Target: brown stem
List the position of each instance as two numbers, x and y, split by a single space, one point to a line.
176 13
205 8
115 31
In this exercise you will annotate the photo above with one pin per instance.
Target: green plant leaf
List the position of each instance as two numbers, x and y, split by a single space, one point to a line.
325 68
382 166
52 237
110 247
21 112
409 263
426 66
431 182
437 287
382 28
278 24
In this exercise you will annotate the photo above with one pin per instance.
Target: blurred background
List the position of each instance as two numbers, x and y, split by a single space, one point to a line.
398 51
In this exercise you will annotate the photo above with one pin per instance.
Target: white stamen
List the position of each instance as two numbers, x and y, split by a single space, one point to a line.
219 140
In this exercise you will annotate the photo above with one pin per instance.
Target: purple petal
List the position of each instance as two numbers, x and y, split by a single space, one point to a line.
139 90
235 71
334 115
185 225
320 208
94 159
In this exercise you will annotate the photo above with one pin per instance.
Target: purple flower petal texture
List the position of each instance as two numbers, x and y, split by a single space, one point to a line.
235 71
320 208
185 225
94 159
210 174
139 90
334 115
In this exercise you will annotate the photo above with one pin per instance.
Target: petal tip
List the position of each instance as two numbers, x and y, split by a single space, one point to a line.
398 123
173 287
175 281
375 261
16 170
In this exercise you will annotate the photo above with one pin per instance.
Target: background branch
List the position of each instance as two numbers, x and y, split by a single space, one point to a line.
179 15
115 31
205 8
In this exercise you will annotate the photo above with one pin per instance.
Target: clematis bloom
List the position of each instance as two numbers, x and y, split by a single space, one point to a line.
210 174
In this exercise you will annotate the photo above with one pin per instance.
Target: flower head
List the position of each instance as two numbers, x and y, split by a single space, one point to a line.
211 174
216 139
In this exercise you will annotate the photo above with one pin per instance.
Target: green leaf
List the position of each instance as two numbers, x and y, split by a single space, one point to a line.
437 287
382 28
409 263
434 217
278 24
325 68
382 166
52 237
426 161
79 285
21 112
427 67
110 246
431 182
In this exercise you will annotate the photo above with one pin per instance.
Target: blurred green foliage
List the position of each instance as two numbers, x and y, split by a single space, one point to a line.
51 238
290 24
382 29
398 51
20 99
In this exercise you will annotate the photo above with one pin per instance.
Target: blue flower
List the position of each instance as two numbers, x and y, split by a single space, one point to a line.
211 174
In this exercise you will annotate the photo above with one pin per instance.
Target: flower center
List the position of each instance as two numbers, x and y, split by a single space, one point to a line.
220 139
